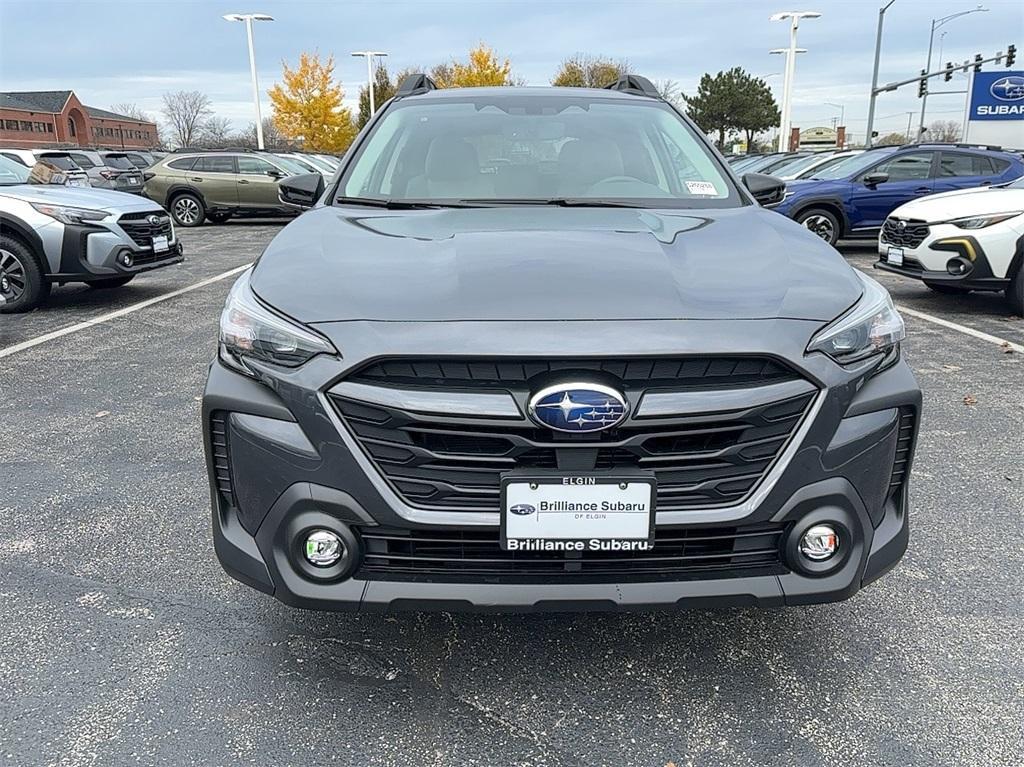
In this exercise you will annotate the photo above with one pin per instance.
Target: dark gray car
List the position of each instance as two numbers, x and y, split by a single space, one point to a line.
539 349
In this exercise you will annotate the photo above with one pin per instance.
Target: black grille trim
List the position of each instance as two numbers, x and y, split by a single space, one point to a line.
458 554
631 373
911 236
904 444
441 463
141 231
221 455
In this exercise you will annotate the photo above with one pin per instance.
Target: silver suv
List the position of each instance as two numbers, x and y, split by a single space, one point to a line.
58 234
109 170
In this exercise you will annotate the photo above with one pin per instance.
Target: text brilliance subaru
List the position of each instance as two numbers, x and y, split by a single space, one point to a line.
537 349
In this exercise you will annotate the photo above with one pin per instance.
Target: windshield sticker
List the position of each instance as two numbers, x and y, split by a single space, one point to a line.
701 187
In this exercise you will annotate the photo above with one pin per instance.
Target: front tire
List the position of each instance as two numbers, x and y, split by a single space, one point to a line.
111 282
188 210
947 290
822 222
1015 293
22 280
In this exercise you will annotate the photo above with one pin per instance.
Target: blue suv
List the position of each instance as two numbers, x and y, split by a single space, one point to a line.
853 198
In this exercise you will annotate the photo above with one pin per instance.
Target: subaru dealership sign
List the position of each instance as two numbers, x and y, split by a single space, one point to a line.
995 113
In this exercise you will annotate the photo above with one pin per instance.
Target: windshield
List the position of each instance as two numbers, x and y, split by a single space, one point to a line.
12 172
317 163
1018 184
798 165
301 166
537 148
848 166
290 165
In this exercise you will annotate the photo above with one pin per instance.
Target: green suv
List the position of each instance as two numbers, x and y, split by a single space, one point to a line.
197 186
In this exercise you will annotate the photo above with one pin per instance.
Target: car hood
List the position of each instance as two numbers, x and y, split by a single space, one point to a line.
95 199
528 263
961 203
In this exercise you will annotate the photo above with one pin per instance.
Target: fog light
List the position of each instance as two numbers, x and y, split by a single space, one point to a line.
126 259
819 543
958 266
323 548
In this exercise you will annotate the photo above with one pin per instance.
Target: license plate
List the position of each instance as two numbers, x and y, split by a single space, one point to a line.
133 179
577 512
894 256
77 182
160 243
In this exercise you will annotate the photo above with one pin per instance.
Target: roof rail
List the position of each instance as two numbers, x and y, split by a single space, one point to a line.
955 145
413 85
641 86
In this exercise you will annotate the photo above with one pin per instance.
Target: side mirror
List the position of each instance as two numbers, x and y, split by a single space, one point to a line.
767 190
275 173
301 191
874 179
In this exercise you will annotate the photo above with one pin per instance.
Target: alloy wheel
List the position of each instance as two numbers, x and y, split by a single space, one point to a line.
821 226
186 210
12 276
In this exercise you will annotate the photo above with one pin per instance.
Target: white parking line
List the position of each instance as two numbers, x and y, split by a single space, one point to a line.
9 350
962 329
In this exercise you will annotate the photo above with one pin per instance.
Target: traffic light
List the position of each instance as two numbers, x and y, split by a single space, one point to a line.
874 134
1011 55
922 85
978 58
949 71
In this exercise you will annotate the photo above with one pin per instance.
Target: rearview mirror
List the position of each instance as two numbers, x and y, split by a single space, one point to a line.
874 179
301 191
767 190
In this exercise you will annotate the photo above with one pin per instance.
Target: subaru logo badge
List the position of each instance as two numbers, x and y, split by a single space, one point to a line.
522 509
1009 88
154 220
901 225
578 407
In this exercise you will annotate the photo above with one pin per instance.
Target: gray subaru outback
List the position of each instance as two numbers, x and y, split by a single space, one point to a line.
51 233
540 349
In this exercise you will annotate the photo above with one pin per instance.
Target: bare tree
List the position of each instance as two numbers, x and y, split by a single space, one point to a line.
215 133
129 109
185 113
944 131
272 137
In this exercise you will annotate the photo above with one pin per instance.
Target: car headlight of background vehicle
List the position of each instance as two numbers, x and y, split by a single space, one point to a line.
68 215
250 331
980 222
872 326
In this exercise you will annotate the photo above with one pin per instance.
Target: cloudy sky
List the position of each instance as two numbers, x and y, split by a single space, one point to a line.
135 50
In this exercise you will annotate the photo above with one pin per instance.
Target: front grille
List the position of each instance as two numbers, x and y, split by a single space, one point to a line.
137 226
630 374
454 554
911 236
454 463
901 463
221 455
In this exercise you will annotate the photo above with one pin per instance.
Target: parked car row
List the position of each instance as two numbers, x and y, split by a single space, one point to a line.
51 233
120 170
203 185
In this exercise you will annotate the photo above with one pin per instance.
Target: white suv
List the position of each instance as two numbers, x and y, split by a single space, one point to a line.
972 239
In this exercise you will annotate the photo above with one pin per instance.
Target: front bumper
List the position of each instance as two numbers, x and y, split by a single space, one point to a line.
290 469
974 266
90 252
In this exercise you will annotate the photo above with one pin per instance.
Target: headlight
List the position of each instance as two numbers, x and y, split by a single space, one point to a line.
872 326
980 222
250 331
68 215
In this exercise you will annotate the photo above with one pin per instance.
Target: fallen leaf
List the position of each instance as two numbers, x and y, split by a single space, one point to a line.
1005 346
970 399
102 414
951 368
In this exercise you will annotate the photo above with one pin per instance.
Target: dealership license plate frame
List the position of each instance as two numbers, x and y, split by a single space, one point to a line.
577 480
894 256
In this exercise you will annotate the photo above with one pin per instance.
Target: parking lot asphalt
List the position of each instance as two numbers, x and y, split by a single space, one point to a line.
123 642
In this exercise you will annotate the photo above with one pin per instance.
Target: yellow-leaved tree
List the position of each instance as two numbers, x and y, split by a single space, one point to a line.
308 107
481 69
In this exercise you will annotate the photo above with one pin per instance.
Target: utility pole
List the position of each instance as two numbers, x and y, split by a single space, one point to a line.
874 74
787 86
369 74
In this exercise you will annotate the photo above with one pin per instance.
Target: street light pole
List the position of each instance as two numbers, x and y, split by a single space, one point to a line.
936 23
369 74
249 18
874 74
842 111
786 84
787 87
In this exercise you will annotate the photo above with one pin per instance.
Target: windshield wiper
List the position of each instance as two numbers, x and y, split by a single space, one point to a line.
563 202
376 202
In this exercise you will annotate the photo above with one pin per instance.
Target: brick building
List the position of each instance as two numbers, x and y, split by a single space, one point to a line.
38 119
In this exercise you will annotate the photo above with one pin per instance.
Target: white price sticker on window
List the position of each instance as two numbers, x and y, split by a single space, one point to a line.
701 187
